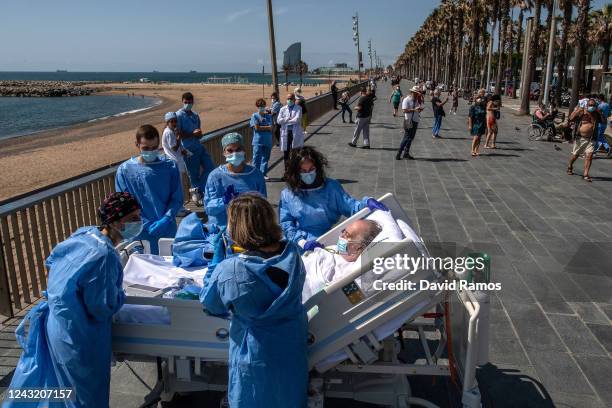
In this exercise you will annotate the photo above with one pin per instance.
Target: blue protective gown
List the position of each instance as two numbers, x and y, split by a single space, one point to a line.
157 187
193 240
199 164
310 213
268 365
69 340
250 180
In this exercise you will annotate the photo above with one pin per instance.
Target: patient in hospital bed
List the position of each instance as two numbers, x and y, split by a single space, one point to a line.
327 265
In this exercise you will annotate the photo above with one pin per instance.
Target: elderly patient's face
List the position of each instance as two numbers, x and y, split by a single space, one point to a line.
354 233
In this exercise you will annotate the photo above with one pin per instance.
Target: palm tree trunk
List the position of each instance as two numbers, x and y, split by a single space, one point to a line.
606 56
549 21
531 65
519 34
567 7
582 25
503 29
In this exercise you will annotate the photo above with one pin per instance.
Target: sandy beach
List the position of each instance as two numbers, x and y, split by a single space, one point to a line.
34 161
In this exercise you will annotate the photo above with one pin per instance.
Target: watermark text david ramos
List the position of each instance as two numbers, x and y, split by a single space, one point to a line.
428 285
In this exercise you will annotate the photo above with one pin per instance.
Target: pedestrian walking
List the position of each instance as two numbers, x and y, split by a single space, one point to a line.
344 104
477 121
412 107
364 114
438 110
334 92
492 115
395 99
588 120
455 105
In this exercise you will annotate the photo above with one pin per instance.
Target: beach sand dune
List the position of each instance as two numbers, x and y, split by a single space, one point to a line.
31 162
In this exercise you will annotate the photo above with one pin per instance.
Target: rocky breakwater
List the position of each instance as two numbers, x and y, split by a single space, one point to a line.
45 88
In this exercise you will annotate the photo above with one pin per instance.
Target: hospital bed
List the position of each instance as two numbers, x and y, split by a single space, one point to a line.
354 334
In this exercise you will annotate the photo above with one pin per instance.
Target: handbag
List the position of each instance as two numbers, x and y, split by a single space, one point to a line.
497 114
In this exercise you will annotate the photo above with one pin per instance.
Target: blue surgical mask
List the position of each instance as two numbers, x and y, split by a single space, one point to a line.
262 109
187 106
131 230
591 108
342 246
235 159
309 178
290 102
149 156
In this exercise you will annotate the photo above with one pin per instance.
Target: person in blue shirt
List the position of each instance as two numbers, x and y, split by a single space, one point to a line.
312 202
230 179
604 109
262 289
276 107
155 181
261 122
68 343
198 161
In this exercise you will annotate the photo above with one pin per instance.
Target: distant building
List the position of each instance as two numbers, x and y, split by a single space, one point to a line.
293 54
337 69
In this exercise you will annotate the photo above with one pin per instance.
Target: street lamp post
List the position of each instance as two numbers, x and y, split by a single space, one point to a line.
549 61
356 41
272 47
370 53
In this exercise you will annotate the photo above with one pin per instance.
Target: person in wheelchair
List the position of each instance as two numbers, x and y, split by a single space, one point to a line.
545 118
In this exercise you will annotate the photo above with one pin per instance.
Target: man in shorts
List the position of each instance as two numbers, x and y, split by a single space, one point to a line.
588 119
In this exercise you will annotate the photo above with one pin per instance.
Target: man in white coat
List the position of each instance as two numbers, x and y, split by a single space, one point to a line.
291 134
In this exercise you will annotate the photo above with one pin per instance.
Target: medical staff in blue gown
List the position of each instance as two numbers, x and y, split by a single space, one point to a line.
68 344
198 162
231 179
312 203
155 181
262 288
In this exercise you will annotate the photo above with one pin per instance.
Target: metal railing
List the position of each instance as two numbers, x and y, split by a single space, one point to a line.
32 224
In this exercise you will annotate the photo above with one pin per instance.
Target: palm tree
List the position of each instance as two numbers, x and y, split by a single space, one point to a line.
582 25
601 32
302 68
503 30
533 54
544 35
523 6
567 7
286 69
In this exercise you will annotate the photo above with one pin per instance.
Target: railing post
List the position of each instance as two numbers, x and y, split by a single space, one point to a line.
6 308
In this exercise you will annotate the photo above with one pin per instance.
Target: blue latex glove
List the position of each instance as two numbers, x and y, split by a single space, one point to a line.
229 194
160 226
311 245
374 205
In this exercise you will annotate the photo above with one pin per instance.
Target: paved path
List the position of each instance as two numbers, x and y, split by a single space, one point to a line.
549 236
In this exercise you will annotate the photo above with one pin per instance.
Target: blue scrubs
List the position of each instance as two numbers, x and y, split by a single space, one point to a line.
157 187
220 179
193 241
268 364
310 213
69 340
604 109
199 164
262 141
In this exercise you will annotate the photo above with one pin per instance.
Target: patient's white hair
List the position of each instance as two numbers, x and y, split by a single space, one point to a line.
372 230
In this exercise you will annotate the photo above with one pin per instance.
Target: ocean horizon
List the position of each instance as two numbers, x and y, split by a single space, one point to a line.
153 76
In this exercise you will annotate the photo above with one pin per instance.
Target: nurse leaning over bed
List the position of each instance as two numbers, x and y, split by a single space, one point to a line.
68 344
262 288
313 203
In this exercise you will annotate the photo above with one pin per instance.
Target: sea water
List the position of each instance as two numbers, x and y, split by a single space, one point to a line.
23 116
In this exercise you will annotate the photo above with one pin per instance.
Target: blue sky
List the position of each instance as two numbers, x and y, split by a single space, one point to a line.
203 35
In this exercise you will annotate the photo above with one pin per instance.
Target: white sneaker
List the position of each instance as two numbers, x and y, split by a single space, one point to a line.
266 178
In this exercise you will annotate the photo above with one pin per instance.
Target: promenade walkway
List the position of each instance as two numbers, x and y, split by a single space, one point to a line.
549 236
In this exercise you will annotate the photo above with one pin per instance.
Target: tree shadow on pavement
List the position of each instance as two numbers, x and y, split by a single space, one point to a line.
498 155
439 159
